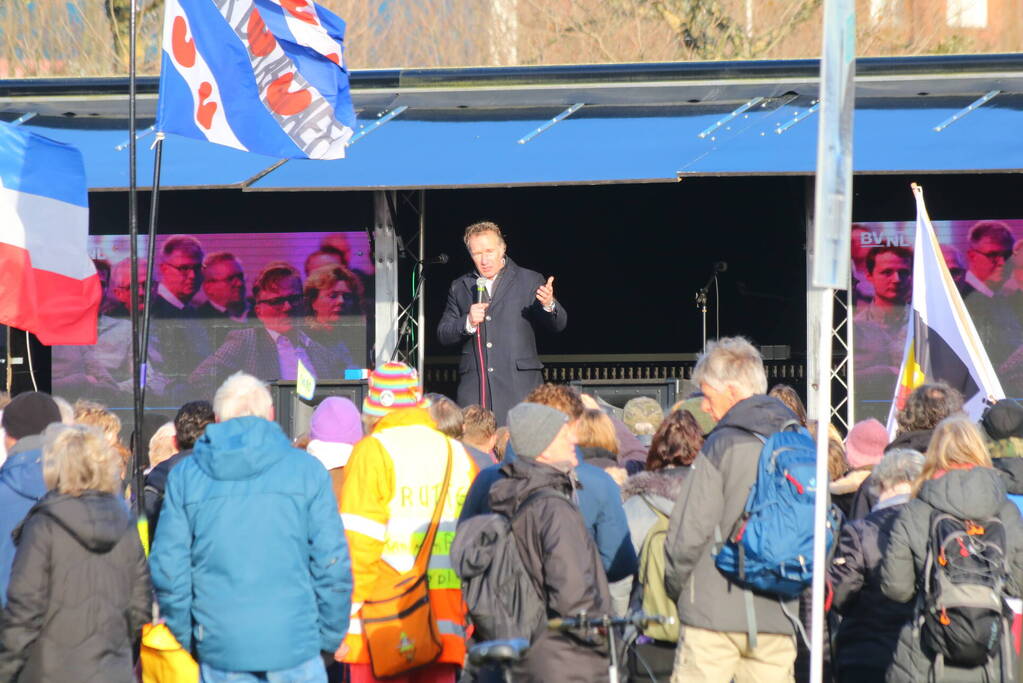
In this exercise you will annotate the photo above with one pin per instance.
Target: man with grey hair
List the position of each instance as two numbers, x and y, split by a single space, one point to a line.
730 633
871 622
250 563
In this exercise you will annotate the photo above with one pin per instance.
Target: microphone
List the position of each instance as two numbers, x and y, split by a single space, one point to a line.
481 287
718 267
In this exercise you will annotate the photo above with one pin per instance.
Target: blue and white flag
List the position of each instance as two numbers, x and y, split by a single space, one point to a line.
265 76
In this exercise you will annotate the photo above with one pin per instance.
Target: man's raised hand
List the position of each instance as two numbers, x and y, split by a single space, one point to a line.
545 293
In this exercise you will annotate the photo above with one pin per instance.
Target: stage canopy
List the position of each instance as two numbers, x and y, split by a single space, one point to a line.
523 127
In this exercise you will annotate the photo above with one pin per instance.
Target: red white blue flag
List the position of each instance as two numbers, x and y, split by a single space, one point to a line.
265 76
48 284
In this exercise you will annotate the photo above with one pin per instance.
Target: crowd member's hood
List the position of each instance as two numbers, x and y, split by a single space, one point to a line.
967 494
241 448
94 519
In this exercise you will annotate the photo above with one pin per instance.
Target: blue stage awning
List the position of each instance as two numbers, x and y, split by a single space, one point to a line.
620 143
186 164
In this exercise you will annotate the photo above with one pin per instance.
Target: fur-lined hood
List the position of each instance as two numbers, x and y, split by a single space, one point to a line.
666 483
850 483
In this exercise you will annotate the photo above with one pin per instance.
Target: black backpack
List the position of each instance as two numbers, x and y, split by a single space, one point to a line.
503 600
962 611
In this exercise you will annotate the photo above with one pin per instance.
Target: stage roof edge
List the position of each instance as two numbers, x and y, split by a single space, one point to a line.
638 123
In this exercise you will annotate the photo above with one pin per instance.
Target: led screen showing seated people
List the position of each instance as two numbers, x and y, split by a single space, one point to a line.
985 259
223 303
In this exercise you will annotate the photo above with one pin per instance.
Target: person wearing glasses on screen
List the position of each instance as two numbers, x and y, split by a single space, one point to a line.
182 339
223 283
990 250
987 259
180 277
272 349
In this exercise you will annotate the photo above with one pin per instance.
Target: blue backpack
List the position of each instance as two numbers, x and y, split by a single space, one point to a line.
770 549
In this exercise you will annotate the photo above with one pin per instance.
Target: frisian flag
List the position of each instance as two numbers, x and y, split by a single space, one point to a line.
942 343
48 283
266 76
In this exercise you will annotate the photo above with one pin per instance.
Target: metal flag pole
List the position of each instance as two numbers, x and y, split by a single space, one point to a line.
154 207
830 261
136 472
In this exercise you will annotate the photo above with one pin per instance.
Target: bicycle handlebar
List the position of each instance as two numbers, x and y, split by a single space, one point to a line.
583 620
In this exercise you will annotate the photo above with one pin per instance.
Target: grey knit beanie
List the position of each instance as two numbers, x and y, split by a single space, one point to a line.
533 427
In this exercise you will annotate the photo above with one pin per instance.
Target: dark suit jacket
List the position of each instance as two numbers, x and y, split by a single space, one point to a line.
511 365
252 350
207 311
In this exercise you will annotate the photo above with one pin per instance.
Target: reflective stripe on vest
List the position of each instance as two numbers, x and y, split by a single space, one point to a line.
445 627
419 455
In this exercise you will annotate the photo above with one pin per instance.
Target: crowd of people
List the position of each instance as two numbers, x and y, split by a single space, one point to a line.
359 551
207 322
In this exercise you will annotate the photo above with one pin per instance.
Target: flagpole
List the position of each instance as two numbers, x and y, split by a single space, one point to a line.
830 263
154 207
136 471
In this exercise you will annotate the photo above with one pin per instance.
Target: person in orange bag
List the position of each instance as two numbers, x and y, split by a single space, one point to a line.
392 482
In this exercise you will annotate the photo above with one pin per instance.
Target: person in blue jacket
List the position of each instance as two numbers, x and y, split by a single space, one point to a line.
21 477
599 498
250 563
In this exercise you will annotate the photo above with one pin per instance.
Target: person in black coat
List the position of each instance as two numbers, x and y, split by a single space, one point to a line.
498 335
866 638
556 551
80 589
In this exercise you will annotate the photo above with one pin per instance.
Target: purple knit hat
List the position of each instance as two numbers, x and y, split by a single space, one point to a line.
336 420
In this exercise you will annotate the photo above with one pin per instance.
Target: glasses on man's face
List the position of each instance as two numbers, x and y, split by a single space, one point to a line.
994 255
279 301
185 268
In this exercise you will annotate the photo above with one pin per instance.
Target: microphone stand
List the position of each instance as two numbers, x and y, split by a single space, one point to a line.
701 303
701 298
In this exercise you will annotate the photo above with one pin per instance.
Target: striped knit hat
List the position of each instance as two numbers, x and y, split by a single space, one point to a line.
392 385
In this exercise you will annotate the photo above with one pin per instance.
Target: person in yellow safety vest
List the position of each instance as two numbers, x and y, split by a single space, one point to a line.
389 495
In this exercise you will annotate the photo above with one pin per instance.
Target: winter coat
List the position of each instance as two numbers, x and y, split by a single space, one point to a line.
917 441
712 499
642 491
974 494
21 487
156 487
79 593
600 503
871 622
864 500
843 491
560 555
512 367
250 563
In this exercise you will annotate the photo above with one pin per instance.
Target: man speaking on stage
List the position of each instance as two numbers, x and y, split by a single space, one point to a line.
492 313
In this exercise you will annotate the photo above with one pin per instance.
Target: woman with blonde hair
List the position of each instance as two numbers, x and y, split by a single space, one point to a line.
598 445
80 590
957 480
